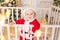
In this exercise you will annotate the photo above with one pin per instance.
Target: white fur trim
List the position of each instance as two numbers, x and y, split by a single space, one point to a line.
25 9
26 27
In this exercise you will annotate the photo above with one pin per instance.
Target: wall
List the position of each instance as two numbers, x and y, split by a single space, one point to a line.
38 5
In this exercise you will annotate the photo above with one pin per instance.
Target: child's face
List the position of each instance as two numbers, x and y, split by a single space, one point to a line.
29 14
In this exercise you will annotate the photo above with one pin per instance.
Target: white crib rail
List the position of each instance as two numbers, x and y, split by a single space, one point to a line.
44 26
53 30
16 30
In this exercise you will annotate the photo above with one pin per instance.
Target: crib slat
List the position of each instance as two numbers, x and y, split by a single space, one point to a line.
16 36
53 31
23 34
17 14
45 33
1 32
8 32
8 29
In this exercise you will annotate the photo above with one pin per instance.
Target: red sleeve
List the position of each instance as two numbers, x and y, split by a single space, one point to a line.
36 26
20 21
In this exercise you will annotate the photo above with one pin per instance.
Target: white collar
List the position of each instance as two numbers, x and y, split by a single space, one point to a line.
30 20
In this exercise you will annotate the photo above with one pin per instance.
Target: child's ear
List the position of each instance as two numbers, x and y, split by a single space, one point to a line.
34 14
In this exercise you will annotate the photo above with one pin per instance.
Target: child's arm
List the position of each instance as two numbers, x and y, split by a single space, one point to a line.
36 26
20 21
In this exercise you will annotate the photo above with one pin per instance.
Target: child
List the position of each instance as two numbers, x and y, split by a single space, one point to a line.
29 18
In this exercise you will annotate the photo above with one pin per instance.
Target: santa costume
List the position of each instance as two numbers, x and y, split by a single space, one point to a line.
33 22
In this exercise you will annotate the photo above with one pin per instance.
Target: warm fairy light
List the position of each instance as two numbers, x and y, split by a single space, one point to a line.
43 21
8 12
38 33
6 1
2 19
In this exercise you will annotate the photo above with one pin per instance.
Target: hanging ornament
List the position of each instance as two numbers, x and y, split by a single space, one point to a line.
9 4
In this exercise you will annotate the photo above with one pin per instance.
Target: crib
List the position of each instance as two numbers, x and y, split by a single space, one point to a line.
48 31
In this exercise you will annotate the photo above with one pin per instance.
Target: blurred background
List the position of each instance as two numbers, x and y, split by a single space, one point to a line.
48 13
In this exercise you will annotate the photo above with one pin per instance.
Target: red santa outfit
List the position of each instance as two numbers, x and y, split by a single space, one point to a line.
33 22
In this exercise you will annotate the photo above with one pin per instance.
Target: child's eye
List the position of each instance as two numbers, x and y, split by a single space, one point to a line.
31 13
27 14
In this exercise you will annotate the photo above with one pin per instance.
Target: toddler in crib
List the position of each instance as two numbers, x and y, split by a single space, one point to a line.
29 18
